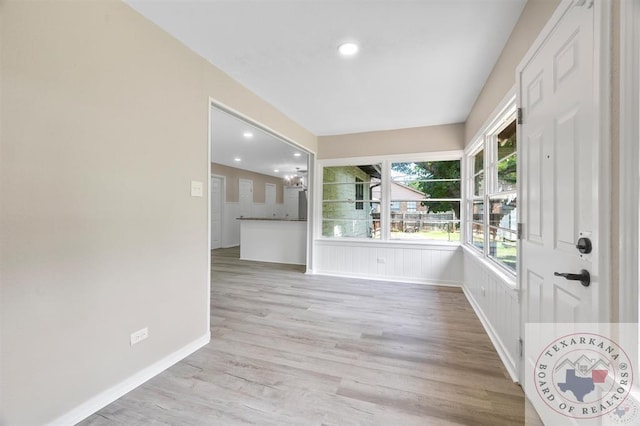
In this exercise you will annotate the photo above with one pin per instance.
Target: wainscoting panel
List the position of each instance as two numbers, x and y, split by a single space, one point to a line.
423 263
495 299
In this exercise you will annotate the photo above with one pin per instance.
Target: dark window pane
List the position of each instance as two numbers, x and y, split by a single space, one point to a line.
425 170
478 211
351 206
507 159
426 223
503 247
359 193
478 184
478 162
477 235
503 209
422 189
507 141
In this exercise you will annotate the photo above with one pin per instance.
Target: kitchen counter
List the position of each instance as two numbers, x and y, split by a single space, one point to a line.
274 240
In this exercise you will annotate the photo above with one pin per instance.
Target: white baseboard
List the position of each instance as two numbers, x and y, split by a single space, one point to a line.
106 397
503 353
408 280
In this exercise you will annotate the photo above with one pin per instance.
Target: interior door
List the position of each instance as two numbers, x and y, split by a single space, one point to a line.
559 180
246 197
216 212
291 202
270 199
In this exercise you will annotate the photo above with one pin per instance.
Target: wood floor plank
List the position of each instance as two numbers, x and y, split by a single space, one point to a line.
295 349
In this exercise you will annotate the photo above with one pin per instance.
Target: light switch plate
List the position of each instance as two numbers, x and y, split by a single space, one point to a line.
197 188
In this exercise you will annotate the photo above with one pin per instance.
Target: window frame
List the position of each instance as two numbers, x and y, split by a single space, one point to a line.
385 195
473 198
487 142
321 201
359 193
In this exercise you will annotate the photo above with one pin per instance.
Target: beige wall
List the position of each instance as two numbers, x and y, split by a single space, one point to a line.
232 182
447 137
535 15
104 122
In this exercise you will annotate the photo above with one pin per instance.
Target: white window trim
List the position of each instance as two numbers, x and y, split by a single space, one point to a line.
501 117
470 194
385 207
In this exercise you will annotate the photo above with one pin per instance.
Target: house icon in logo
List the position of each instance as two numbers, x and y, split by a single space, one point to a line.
586 367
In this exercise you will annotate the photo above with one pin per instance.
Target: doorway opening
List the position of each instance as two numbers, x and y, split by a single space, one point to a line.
260 169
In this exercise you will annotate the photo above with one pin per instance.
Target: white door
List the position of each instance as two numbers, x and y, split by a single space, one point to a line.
291 198
246 197
270 199
216 211
559 178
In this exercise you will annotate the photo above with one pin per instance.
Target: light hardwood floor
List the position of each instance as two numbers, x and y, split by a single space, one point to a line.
295 349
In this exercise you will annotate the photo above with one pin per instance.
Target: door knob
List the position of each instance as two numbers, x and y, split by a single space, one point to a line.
584 277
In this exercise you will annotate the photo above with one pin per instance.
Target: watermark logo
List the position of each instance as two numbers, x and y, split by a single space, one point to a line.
625 413
584 376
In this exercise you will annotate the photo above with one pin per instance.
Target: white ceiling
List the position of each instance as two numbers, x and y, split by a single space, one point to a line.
262 153
420 62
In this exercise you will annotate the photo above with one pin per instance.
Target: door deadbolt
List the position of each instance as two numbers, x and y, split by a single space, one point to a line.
584 245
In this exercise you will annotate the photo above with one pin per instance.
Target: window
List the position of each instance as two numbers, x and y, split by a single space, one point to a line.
477 225
478 174
477 201
430 191
423 200
503 222
359 194
492 205
344 186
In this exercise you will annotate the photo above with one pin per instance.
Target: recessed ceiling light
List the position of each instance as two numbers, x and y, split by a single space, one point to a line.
348 49
237 159
297 154
247 135
276 171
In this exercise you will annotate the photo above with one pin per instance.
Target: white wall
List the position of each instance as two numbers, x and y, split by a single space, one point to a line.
279 241
421 263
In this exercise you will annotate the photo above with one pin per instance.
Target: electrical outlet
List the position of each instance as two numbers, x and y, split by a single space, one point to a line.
482 290
139 336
